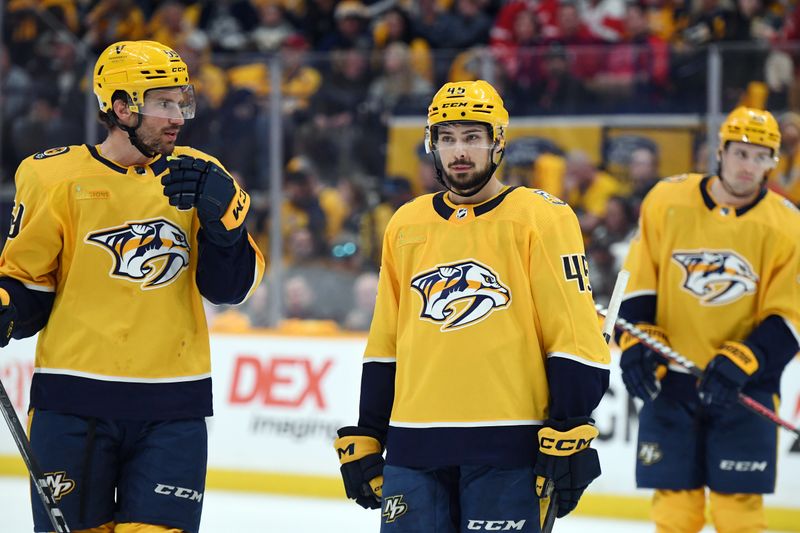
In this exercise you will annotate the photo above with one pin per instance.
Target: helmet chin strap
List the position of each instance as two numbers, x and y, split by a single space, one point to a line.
131 131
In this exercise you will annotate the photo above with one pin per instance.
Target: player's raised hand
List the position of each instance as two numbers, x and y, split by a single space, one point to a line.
360 454
221 204
8 314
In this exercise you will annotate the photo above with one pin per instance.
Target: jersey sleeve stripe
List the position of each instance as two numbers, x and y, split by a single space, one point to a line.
39 288
476 424
637 294
120 379
380 360
578 359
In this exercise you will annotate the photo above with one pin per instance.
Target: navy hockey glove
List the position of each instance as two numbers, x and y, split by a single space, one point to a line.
642 368
566 459
726 374
8 315
221 204
360 453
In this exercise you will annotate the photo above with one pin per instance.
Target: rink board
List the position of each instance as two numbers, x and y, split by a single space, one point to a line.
278 400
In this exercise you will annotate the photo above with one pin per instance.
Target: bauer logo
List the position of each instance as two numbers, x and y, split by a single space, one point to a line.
59 484
150 252
394 507
460 294
716 277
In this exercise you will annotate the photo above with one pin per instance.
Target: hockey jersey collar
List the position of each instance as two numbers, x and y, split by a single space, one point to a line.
446 211
158 166
711 204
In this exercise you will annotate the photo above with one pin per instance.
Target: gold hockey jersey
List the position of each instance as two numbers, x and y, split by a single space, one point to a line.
715 272
127 333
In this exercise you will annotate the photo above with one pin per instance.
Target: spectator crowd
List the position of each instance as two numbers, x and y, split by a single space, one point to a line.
347 68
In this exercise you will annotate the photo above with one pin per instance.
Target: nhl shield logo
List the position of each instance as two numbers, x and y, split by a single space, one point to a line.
460 294
716 277
151 252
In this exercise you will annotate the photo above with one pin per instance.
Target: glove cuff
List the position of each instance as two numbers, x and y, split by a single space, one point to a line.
566 437
237 209
628 341
5 298
355 443
741 355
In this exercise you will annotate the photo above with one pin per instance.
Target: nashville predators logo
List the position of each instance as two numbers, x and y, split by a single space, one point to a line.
716 277
460 294
59 484
151 252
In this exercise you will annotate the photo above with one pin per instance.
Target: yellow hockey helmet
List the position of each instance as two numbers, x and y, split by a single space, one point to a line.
136 67
474 101
753 126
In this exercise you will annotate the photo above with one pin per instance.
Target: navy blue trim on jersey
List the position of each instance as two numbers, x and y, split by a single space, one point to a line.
494 202
121 400
711 204
575 389
33 307
499 446
777 346
637 310
159 165
441 208
110 164
225 274
377 397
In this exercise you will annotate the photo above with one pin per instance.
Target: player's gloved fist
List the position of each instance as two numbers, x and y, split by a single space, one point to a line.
221 204
566 459
360 453
726 374
8 315
642 368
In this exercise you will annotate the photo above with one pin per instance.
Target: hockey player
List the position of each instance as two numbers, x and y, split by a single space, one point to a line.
110 250
485 357
714 273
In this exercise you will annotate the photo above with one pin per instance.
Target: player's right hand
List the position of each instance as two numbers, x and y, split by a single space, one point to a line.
361 456
8 315
642 368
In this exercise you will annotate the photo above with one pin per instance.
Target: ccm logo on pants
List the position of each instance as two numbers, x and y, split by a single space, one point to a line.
179 492
495 525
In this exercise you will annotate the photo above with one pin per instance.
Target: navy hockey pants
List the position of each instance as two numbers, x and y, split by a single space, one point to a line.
459 499
102 470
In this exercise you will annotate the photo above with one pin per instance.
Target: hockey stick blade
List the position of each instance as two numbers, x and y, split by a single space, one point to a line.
668 353
38 478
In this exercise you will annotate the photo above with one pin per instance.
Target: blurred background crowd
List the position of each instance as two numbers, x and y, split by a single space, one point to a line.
347 114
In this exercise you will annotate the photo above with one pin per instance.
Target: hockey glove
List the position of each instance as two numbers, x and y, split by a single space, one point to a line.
8 315
360 453
221 204
726 374
566 459
642 368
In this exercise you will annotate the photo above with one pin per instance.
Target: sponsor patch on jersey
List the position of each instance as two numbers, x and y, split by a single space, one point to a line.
60 485
788 203
460 294
716 277
676 179
51 152
549 197
151 252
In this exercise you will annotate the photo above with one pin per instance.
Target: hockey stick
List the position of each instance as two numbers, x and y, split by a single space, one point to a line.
608 329
668 353
39 481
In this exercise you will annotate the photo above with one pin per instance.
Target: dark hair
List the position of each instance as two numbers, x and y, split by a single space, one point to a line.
104 117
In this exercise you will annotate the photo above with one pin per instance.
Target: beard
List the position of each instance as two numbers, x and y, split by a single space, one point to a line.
153 139
467 183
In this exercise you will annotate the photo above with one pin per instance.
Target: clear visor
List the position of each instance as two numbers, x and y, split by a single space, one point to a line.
170 102
459 136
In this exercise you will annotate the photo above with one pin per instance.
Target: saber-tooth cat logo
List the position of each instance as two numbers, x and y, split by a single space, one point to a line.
151 252
460 294
716 277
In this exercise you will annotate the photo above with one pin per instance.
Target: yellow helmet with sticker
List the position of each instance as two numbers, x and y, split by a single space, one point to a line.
136 67
468 101
753 126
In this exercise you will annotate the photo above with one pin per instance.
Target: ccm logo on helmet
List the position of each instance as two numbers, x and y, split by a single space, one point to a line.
454 104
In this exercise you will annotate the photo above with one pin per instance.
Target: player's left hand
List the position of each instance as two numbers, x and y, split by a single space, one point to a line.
8 315
566 458
221 204
726 374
